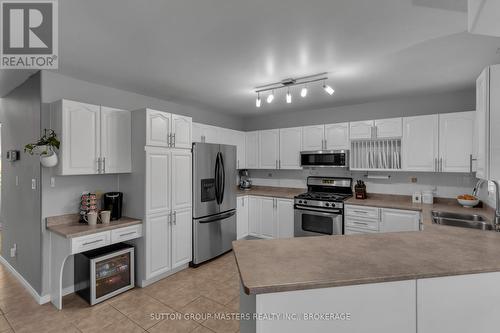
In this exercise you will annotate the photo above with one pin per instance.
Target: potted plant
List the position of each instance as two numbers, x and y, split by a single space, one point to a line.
45 147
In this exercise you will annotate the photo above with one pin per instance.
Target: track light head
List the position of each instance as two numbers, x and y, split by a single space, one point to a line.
329 90
270 97
303 92
288 97
258 101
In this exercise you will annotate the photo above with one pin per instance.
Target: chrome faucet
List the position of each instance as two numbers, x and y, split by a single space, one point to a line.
497 199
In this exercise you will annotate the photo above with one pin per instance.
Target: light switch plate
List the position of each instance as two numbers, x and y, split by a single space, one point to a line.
33 184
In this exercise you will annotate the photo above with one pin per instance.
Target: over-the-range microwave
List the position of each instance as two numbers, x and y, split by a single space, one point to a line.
324 158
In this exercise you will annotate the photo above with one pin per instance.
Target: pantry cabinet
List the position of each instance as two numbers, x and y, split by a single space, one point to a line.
337 136
268 149
94 139
313 137
290 140
157 232
420 144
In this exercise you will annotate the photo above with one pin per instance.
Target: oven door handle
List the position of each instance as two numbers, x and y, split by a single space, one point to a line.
329 211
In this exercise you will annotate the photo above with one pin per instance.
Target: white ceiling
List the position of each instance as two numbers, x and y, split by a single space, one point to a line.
212 53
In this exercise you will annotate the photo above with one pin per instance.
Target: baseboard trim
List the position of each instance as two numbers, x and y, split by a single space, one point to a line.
145 283
39 299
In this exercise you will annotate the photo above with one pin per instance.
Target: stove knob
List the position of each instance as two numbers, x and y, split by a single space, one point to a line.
300 201
327 204
305 202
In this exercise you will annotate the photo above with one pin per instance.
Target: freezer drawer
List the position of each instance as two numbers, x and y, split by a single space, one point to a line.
213 236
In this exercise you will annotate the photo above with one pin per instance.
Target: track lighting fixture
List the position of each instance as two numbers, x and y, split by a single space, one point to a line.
290 82
270 98
288 97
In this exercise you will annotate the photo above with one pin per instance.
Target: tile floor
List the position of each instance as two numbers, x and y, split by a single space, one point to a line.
213 287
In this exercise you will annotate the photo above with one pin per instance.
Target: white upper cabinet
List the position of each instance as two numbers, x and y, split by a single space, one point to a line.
239 141
158 180
158 128
164 129
269 149
456 138
252 149
337 136
181 131
115 140
94 139
420 143
361 129
388 128
290 140
482 126
313 137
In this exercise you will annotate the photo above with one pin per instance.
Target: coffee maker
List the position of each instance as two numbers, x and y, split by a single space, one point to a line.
113 202
245 182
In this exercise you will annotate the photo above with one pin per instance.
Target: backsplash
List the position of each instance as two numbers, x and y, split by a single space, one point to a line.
446 185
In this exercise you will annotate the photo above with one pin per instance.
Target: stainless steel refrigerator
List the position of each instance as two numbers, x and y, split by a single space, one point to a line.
214 200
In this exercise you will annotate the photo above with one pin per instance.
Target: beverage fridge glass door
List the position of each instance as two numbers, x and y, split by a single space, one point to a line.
204 179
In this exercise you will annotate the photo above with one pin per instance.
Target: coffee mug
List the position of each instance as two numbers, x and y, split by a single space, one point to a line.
105 216
91 218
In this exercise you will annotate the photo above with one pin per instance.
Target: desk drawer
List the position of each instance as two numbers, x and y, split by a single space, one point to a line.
362 211
125 234
90 242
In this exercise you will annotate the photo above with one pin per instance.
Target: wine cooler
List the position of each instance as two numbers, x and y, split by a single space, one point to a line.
105 272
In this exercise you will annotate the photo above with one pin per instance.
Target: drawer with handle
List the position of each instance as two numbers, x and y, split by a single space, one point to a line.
362 211
360 223
127 233
90 242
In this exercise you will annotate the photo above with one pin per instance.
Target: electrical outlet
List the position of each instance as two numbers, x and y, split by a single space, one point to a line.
33 184
13 251
413 179
17 180
52 181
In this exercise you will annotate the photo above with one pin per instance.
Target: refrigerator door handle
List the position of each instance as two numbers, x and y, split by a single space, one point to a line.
223 178
218 217
216 177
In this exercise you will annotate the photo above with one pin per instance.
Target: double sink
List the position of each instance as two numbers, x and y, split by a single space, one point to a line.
472 221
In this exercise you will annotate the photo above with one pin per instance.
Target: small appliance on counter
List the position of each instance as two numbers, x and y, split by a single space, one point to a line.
245 182
360 190
416 197
104 272
428 197
113 202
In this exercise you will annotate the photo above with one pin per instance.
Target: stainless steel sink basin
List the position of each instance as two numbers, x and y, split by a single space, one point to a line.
472 221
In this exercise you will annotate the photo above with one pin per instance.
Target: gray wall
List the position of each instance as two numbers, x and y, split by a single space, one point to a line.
20 118
463 100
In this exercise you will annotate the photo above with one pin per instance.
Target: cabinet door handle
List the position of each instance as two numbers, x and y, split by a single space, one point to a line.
441 164
362 223
170 217
360 211
173 140
276 164
127 233
104 165
435 164
471 159
175 217
93 242
279 164
98 165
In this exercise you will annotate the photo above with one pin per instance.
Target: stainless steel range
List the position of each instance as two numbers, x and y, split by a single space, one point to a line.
320 211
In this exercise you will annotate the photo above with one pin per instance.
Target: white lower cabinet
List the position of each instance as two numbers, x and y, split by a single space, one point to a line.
267 217
394 220
181 237
364 219
242 217
158 231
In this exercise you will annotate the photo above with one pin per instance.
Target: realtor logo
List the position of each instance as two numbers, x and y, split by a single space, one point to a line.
29 34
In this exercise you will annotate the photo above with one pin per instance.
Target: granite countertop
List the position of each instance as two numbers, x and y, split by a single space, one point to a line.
69 227
269 191
278 265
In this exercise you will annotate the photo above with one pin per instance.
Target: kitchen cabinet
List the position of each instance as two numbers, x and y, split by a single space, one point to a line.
270 217
285 218
181 237
252 149
420 143
361 129
164 129
94 139
376 129
365 219
488 122
204 133
394 220
337 136
115 140
456 138
158 181
268 149
313 137
290 141
242 217
158 231
237 138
